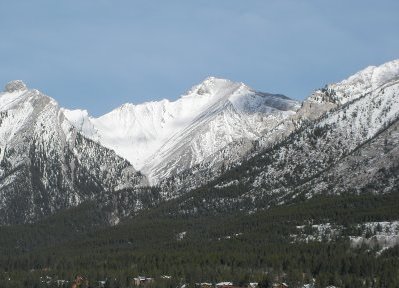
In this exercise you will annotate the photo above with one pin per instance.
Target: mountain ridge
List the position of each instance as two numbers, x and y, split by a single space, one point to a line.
165 119
280 147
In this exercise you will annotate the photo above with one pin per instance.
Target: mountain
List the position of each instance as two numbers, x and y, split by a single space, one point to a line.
46 165
322 104
352 147
237 114
219 136
164 138
294 192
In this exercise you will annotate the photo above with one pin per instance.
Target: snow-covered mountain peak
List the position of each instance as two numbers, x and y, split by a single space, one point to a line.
230 112
15 85
360 83
137 131
244 98
213 86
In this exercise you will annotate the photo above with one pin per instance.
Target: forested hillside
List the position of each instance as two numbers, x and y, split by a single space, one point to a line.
240 247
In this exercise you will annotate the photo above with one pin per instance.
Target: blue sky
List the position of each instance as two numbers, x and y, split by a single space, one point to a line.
99 54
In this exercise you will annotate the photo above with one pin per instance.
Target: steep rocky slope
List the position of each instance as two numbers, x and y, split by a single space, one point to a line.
46 165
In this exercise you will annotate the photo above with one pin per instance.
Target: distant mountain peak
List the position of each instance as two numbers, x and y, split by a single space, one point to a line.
213 84
15 85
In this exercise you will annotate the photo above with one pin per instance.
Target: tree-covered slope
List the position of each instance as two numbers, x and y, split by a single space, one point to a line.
236 246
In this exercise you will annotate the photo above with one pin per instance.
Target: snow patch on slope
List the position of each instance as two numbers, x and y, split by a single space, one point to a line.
82 121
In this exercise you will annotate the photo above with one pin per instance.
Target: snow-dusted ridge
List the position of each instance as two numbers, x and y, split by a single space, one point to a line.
360 83
149 134
165 137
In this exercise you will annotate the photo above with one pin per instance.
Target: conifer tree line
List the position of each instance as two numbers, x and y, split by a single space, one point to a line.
238 247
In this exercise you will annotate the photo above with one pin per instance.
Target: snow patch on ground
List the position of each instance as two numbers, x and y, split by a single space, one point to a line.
383 234
180 236
228 184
